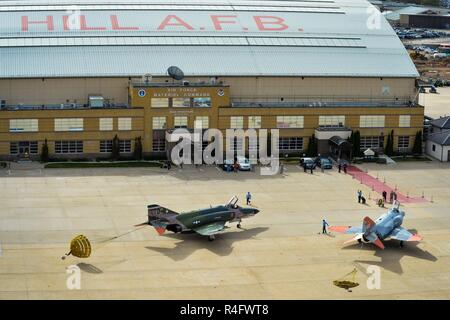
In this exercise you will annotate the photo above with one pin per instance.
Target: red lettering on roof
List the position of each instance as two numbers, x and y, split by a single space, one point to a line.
48 22
177 22
276 22
217 21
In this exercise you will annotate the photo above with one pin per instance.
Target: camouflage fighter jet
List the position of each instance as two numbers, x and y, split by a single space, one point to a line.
386 226
207 222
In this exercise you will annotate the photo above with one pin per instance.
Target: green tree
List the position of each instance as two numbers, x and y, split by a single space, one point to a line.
356 143
389 149
44 152
312 147
115 154
137 148
417 147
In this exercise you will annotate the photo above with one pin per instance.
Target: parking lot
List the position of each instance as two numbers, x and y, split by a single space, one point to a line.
279 253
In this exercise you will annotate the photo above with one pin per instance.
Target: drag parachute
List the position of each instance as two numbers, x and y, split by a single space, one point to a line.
80 247
348 281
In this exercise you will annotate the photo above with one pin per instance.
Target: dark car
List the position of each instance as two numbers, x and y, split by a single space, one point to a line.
325 163
227 165
309 163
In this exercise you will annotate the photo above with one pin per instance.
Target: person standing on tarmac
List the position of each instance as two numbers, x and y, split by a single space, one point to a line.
324 226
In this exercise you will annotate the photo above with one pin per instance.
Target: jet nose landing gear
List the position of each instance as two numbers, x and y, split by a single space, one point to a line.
211 237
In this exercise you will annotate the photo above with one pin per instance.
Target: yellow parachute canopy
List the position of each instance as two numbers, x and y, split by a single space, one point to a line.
348 281
80 247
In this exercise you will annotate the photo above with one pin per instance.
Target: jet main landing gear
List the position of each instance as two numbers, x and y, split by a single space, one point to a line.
239 225
211 237
401 244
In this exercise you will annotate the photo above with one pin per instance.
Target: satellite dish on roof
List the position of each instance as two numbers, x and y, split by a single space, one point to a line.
175 73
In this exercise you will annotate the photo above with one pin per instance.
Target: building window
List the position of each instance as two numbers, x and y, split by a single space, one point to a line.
71 146
181 102
237 122
433 147
160 102
290 143
124 124
371 121
23 125
373 142
180 122
404 121
13 148
106 124
159 145
403 143
201 122
331 121
23 147
289 121
236 144
69 124
125 145
202 102
105 146
159 123
254 122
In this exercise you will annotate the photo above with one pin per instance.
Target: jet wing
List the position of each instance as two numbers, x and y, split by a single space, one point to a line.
404 235
211 228
346 229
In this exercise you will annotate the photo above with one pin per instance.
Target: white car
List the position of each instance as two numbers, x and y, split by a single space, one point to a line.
244 164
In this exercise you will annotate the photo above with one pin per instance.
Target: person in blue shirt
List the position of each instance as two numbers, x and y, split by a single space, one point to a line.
324 226
248 196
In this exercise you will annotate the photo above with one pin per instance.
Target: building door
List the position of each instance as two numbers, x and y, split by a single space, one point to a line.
24 148
448 155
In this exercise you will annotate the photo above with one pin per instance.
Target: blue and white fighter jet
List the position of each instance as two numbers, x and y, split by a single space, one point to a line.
386 226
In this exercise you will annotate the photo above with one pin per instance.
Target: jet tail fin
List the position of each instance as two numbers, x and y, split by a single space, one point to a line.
157 212
368 224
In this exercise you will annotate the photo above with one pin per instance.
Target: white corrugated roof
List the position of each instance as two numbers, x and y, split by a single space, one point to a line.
395 15
318 38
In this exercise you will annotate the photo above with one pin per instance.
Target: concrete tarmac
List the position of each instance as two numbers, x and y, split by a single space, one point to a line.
280 253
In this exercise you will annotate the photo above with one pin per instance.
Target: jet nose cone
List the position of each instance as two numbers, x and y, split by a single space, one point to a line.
255 211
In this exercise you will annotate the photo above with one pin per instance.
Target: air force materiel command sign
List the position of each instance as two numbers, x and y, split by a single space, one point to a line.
142 93
220 93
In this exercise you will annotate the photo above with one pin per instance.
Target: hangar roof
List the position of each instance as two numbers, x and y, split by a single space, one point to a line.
85 38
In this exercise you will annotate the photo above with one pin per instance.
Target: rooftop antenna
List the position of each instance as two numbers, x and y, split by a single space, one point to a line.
147 78
175 73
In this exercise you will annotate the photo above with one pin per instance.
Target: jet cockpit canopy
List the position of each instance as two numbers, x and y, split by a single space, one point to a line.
232 202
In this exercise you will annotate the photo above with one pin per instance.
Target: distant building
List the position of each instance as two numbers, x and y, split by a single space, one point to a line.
420 17
438 145
440 125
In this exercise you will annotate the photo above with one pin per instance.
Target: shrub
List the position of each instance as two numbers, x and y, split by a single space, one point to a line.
44 152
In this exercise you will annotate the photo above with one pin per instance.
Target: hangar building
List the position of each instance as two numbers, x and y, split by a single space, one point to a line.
77 73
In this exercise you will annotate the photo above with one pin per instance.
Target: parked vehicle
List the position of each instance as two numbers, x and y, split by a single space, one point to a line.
227 165
244 164
309 163
325 163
